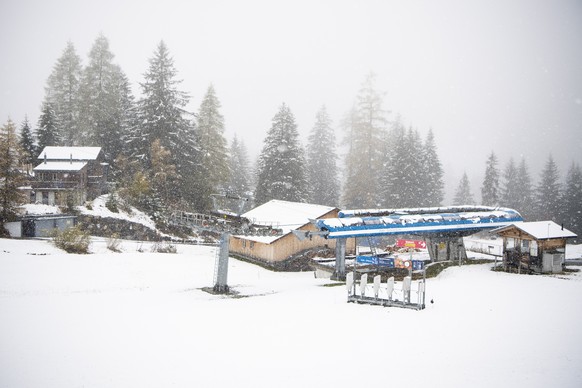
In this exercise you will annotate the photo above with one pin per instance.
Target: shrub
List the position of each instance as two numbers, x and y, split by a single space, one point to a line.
113 243
112 203
164 247
72 240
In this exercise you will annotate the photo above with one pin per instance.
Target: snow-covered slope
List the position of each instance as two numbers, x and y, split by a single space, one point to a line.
141 320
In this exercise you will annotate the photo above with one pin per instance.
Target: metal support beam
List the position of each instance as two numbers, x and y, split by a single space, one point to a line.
340 260
221 269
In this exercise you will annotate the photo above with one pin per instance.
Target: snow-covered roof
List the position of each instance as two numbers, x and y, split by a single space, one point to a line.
540 230
67 153
60 166
285 215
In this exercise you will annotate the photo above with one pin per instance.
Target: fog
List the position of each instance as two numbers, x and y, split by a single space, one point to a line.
489 75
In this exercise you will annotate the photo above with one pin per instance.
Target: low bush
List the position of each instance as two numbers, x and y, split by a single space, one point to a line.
164 247
72 240
113 243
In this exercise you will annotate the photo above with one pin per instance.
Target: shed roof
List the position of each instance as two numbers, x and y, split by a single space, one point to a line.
285 215
66 153
61 165
540 230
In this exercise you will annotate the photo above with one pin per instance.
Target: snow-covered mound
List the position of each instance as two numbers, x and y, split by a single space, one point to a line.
98 209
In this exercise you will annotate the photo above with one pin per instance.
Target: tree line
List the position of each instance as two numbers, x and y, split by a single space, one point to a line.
164 157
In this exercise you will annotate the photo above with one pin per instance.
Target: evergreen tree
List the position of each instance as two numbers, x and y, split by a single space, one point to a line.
212 157
572 200
322 162
161 116
282 172
240 175
463 194
11 178
365 159
433 185
394 177
548 193
62 94
48 133
510 192
490 188
27 143
524 193
106 101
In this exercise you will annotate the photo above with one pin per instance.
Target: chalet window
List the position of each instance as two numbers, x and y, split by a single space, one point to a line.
252 244
244 243
54 176
533 248
524 245
510 243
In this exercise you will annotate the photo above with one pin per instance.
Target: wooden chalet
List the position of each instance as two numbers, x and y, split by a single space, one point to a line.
288 216
538 247
68 174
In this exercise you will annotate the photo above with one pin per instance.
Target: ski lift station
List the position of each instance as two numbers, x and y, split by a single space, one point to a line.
443 228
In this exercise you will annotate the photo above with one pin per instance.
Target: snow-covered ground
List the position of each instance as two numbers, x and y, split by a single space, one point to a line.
140 319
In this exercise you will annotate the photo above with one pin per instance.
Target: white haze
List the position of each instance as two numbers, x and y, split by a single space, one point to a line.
503 76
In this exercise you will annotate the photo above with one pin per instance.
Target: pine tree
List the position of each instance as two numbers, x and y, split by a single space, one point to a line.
240 175
48 133
433 185
11 178
463 194
212 157
490 188
161 116
62 94
548 193
510 192
525 193
282 172
365 159
27 143
572 200
322 162
398 165
106 101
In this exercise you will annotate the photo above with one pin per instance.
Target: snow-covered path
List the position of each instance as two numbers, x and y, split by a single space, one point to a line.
140 320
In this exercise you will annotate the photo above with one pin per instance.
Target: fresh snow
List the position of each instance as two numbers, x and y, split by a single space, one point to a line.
98 209
140 319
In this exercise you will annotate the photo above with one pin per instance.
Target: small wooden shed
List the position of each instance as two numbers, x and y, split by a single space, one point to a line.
538 247
288 216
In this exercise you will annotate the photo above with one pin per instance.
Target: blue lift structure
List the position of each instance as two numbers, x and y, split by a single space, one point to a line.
441 227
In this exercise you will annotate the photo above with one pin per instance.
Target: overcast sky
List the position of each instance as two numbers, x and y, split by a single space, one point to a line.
484 75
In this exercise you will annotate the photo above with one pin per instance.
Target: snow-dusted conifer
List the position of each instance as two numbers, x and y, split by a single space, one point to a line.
548 193
322 162
524 204
510 190
281 171
62 94
572 200
393 177
463 195
212 171
48 133
161 116
365 158
490 188
106 101
27 143
433 186
240 174
11 178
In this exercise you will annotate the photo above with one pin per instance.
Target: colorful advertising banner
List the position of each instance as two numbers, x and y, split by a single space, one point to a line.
391 262
418 244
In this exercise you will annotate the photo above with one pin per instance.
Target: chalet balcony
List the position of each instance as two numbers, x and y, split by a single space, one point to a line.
56 184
